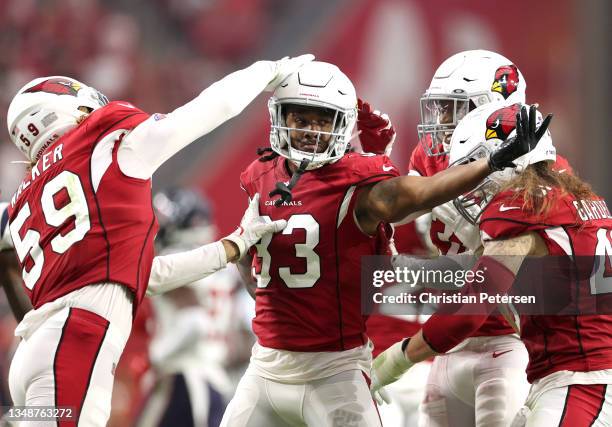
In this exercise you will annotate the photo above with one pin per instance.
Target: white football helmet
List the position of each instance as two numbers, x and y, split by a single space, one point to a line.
46 108
461 83
480 133
316 84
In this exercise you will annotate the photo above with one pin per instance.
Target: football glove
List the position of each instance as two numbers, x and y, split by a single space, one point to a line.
376 133
253 227
387 368
285 67
527 137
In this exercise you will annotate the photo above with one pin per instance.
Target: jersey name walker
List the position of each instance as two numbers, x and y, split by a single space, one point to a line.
308 276
76 219
572 227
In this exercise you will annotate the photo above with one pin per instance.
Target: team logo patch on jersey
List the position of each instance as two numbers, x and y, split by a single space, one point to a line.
506 80
502 122
56 87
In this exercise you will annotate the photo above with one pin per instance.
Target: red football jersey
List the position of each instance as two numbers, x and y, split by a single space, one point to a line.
76 219
308 276
572 227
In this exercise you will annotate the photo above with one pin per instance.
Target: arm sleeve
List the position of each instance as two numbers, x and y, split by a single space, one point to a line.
159 137
449 327
173 271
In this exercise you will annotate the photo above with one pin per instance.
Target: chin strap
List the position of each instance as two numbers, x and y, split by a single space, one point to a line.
284 190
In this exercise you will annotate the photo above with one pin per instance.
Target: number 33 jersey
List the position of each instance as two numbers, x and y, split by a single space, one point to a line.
76 219
308 295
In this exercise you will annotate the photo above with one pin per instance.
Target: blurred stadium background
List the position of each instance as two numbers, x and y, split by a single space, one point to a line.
159 54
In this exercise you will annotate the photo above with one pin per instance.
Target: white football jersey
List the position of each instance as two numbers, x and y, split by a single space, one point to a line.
451 233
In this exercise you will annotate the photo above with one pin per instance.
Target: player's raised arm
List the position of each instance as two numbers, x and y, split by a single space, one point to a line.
394 199
160 137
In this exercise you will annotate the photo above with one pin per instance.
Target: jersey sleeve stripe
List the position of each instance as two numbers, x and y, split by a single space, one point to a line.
561 238
102 157
345 205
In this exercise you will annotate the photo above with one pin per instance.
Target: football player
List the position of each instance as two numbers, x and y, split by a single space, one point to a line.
83 226
475 384
310 363
537 212
195 325
471 385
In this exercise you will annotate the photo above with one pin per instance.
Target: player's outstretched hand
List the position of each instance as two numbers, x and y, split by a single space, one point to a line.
387 368
376 132
285 67
527 137
253 227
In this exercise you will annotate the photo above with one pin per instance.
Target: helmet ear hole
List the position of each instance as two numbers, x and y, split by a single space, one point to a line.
85 109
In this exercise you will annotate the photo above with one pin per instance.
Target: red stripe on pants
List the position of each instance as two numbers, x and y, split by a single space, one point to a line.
582 405
75 357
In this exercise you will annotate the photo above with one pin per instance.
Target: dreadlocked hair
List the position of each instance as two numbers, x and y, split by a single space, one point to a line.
528 185
267 157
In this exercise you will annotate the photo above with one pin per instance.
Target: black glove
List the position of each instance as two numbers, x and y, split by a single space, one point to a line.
527 137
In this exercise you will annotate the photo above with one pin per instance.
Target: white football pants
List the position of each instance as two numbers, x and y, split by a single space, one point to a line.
569 399
67 355
341 400
406 395
482 384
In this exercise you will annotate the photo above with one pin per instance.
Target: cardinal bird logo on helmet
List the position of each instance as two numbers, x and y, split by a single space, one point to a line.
502 122
506 80
56 86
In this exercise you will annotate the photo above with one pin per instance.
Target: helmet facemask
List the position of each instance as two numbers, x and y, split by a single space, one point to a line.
440 114
337 129
472 204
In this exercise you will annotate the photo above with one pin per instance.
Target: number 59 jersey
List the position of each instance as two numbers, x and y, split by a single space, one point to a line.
76 219
308 296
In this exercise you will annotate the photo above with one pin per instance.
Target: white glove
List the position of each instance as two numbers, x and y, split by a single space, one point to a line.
381 396
387 368
285 67
253 227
